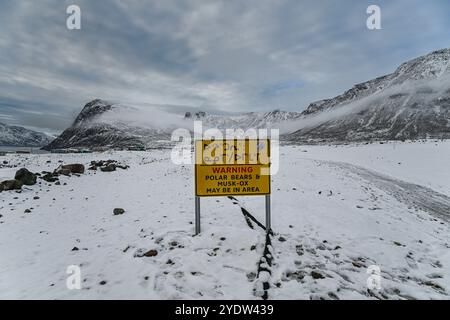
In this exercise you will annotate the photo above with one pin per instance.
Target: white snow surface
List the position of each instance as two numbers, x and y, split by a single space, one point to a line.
336 211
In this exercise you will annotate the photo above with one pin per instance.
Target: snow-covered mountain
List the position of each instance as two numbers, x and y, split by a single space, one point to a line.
102 124
411 103
21 137
106 124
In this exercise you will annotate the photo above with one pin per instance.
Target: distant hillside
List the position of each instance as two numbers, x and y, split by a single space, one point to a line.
105 124
21 137
411 103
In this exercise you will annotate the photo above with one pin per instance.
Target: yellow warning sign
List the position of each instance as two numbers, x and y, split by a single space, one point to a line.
232 167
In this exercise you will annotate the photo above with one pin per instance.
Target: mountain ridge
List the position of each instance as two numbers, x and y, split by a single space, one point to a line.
16 136
413 102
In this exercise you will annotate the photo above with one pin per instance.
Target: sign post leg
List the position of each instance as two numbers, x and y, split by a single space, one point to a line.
197 215
268 222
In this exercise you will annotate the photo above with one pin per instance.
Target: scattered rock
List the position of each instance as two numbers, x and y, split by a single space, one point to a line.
102 283
282 239
145 253
75 249
27 211
49 177
357 264
151 253
317 275
11 185
109 168
26 177
118 211
296 275
74 168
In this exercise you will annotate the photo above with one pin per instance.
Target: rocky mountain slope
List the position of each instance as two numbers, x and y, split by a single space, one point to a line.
106 124
21 137
411 103
92 129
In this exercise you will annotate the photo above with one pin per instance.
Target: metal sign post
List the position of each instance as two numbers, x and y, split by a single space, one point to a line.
268 222
197 215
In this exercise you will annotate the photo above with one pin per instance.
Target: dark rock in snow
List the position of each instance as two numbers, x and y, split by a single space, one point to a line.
74 168
118 211
49 177
317 275
11 185
109 168
151 253
26 177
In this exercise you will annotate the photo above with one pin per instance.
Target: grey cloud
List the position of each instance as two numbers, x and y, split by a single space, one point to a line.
215 55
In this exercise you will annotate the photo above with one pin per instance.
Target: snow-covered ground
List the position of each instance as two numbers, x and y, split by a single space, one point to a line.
336 212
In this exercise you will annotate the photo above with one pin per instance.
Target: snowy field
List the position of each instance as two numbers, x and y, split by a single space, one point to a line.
336 211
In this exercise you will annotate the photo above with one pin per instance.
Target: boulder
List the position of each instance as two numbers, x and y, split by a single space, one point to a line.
26 177
74 168
151 253
317 275
49 177
11 185
118 211
108 168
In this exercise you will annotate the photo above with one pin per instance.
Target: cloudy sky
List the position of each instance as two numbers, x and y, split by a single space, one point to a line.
221 56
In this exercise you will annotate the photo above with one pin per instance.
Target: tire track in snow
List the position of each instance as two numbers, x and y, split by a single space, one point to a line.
265 262
420 197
